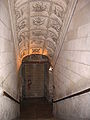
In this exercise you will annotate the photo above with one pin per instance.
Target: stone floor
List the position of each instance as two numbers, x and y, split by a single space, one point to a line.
36 109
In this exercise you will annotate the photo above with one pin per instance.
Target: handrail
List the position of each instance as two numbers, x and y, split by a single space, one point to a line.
73 95
9 96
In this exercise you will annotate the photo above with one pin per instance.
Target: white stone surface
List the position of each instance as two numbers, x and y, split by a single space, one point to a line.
76 108
8 109
72 69
39 23
8 74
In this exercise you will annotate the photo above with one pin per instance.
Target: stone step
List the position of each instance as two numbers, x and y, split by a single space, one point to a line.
36 109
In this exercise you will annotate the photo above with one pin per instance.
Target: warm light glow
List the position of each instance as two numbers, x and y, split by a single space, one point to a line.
45 52
26 52
36 51
19 61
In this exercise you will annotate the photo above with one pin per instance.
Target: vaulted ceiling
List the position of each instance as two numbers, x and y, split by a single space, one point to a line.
38 24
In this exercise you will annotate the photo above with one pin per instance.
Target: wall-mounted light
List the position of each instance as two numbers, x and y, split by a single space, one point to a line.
1 91
50 69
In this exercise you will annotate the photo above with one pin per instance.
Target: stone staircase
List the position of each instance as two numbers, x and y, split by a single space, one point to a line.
36 109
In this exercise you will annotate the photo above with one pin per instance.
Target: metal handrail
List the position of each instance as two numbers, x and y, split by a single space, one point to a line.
9 96
72 95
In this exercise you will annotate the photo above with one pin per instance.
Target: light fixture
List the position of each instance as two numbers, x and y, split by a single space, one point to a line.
50 69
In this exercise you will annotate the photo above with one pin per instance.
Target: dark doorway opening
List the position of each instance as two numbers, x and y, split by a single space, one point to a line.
36 88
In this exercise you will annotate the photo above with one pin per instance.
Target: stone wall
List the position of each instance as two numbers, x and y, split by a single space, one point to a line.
8 74
8 108
72 67
50 86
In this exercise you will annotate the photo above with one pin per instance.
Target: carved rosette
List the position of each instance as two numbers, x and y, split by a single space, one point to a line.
38 24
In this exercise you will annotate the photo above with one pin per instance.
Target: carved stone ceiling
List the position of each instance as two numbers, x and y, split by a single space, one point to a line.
38 24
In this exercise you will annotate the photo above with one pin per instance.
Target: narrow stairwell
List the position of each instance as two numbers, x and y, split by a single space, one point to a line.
36 109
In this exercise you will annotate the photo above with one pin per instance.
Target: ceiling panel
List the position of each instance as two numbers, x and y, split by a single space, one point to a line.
38 24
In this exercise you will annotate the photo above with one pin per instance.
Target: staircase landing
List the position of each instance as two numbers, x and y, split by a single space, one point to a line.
36 109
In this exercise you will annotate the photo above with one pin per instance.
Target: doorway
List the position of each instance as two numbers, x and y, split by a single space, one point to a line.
36 77
37 88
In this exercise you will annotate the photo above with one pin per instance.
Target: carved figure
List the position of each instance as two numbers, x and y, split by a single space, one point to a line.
39 7
58 12
38 21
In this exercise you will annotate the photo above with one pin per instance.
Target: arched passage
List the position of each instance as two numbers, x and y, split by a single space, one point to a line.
36 87
59 29
36 77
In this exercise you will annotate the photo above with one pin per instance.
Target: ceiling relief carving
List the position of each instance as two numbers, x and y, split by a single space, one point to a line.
38 24
38 21
53 36
39 7
37 44
22 27
37 50
54 24
58 11
40 34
